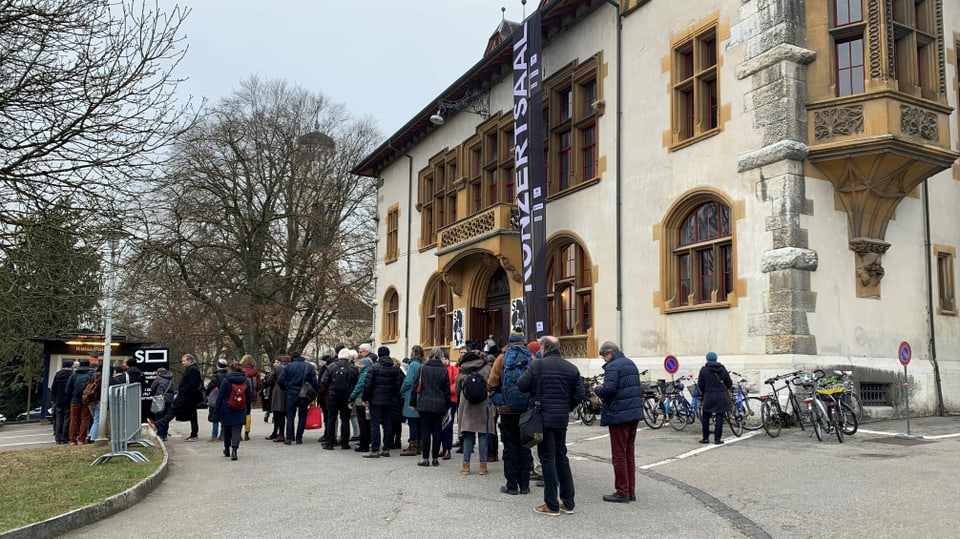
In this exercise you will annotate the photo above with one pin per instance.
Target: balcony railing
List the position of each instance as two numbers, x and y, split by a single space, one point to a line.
494 220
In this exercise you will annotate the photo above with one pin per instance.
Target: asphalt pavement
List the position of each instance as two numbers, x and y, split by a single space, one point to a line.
875 484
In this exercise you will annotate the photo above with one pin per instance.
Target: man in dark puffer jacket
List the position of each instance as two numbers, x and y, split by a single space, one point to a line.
622 410
379 390
560 391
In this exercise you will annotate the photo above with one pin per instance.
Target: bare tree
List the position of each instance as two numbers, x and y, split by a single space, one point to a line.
261 219
86 103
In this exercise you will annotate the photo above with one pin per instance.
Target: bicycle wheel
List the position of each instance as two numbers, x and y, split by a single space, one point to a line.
818 421
770 415
752 419
677 415
735 421
851 421
653 414
587 415
853 401
838 420
797 416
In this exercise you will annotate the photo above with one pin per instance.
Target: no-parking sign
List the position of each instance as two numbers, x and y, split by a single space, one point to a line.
904 353
671 365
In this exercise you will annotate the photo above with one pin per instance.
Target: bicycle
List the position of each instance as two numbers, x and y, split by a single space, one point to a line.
772 414
829 413
745 414
680 411
850 395
654 414
589 407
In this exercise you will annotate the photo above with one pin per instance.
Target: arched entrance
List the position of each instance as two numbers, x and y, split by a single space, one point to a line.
494 318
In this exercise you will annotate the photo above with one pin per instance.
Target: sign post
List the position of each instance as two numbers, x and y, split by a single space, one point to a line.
904 353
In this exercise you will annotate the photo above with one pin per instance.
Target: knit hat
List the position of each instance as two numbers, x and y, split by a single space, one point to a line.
222 363
383 351
84 362
67 363
365 362
516 335
337 348
711 356
534 347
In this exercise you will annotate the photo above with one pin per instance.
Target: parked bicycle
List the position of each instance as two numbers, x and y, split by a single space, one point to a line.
745 414
828 411
588 409
850 395
680 411
772 414
654 413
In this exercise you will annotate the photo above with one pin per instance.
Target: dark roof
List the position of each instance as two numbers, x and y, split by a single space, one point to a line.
498 57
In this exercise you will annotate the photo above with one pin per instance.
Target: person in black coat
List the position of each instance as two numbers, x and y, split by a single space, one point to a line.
714 383
232 420
338 381
189 395
380 389
622 411
61 403
560 389
432 404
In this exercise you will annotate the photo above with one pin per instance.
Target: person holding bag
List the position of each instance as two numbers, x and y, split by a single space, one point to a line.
622 410
714 383
299 380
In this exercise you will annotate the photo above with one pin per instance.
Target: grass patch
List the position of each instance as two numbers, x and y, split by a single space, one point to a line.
37 484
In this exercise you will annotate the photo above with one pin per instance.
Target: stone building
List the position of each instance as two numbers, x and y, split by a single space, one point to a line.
773 180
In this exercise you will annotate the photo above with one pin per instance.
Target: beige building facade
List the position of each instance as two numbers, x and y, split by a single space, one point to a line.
775 181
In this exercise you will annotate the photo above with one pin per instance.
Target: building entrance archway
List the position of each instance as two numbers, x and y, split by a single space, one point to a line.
494 317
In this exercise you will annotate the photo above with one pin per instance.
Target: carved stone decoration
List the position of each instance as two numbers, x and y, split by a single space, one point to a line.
891 72
508 267
873 35
919 123
515 219
454 285
836 122
480 224
869 267
573 347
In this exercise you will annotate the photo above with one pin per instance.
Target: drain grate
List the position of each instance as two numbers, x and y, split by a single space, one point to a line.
898 441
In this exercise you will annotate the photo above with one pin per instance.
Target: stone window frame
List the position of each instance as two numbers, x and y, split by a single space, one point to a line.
567 117
390 330
437 313
576 280
668 234
946 279
690 43
916 43
393 235
840 34
436 195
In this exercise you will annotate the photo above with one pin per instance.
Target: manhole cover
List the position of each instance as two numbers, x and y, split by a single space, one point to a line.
898 441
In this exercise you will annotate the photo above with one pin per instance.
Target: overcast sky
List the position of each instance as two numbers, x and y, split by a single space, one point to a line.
385 59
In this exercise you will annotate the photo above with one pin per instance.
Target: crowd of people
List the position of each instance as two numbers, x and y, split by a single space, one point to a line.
365 398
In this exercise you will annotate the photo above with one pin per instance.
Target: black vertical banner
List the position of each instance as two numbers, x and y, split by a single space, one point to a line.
529 169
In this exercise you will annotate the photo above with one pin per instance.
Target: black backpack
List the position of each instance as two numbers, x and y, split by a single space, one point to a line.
475 388
341 378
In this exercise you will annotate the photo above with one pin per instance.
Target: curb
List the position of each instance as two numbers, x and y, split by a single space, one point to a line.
78 518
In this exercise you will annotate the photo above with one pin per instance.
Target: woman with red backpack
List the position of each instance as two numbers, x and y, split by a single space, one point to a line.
233 403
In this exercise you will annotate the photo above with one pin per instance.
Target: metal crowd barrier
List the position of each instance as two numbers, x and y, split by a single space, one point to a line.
124 411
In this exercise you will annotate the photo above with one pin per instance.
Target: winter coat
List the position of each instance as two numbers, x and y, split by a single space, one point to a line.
278 397
621 393
163 384
78 380
254 374
479 417
327 383
214 386
410 382
435 393
561 388
357 393
383 383
295 374
227 416
452 371
714 382
61 398
189 392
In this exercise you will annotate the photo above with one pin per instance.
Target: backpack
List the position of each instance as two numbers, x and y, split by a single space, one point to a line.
515 363
341 378
252 381
238 396
475 388
91 391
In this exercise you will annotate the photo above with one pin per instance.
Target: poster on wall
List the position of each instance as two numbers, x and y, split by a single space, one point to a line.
459 331
518 315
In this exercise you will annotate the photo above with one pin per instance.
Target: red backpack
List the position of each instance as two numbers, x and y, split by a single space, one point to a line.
238 397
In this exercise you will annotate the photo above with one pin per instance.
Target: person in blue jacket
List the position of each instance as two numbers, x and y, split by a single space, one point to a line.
232 420
622 410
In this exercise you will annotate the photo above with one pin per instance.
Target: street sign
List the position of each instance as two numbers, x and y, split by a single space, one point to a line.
904 353
671 365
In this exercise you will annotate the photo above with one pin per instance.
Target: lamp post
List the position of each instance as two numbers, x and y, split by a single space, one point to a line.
113 243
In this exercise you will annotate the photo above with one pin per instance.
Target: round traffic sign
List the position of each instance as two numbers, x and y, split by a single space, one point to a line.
904 352
671 365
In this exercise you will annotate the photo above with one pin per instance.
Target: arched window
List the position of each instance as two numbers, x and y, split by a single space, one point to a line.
569 288
391 316
437 308
699 236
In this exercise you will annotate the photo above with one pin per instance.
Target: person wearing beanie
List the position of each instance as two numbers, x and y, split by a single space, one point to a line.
516 336
516 458
61 403
213 388
380 388
534 347
714 383
383 351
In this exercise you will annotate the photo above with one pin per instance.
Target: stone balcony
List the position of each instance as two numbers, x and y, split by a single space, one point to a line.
500 219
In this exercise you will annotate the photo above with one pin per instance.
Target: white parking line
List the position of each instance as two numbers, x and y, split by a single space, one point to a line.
884 433
699 450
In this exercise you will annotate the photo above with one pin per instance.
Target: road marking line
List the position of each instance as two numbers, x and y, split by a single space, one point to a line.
698 450
24 443
607 435
26 435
